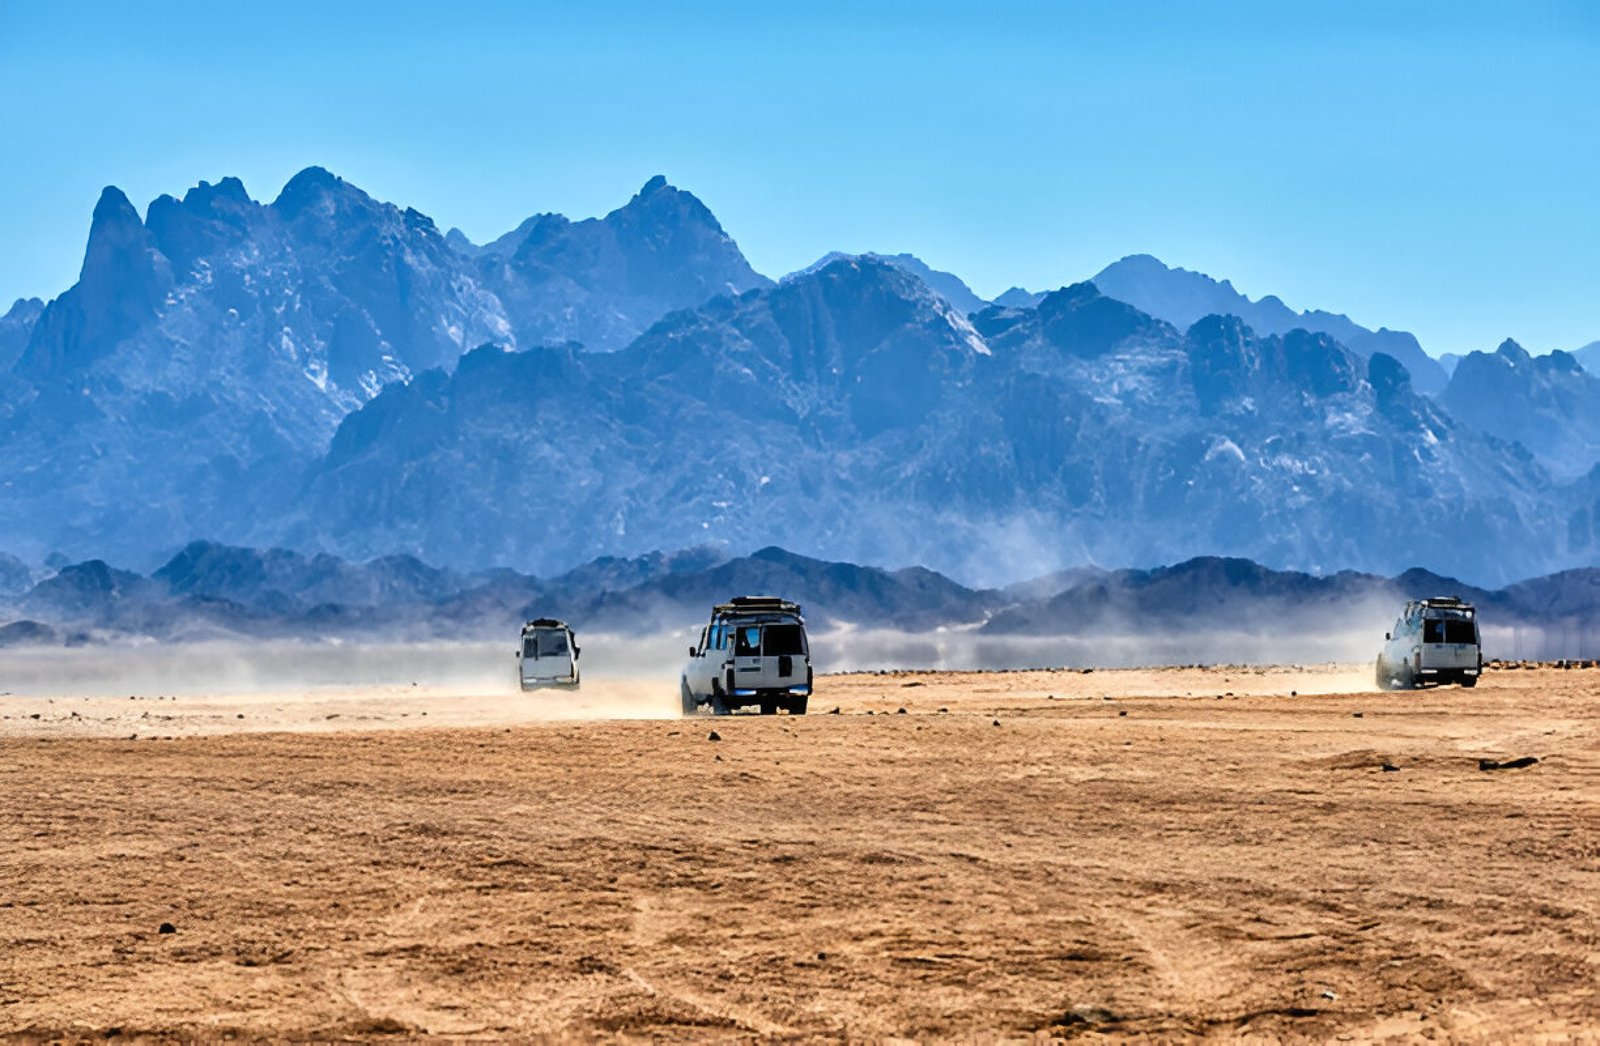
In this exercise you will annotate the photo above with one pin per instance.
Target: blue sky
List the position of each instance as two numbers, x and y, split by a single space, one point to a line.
1430 167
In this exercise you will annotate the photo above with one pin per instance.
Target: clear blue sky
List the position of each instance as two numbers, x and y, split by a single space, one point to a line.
1427 166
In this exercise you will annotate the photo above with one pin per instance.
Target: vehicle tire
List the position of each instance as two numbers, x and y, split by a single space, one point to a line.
719 705
797 705
690 705
1385 680
769 706
1469 680
1406 679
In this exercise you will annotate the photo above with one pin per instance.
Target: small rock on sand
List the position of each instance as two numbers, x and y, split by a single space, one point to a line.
1509 764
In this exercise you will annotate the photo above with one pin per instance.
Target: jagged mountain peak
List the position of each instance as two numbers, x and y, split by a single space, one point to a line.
658 199
947 285
113 208
1019 298
1513 352
24 308
206 196
320 191
1181 296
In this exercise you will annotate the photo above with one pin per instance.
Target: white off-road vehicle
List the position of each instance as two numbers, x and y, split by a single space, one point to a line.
548 655
1435 641
753 652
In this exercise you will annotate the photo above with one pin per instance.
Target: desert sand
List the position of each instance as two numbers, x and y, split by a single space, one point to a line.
1165 853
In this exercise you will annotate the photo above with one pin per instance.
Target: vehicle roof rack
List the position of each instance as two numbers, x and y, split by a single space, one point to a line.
758 604
545 622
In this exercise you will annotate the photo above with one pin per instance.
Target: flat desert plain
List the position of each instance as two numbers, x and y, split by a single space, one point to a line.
1275 853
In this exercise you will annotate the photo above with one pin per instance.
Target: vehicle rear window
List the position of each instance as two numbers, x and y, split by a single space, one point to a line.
747 640
783 639
1450 630
552 644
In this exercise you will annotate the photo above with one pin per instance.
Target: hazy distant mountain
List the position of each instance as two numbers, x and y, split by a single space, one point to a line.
16 326
292 375
1549 404
946 285
1017 298
852 410
761 418
1448 361
15 577
210 590
1589 356
1181 297
207 353
602 281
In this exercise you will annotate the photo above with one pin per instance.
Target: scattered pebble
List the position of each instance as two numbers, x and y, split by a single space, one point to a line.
1357 715
997 722
1123 712
834 710
167 928
901 710
1390 768
713 736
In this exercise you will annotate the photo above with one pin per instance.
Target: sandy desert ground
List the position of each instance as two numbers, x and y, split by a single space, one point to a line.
1166 853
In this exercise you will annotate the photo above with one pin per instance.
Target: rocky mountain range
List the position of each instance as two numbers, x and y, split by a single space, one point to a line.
853 412
1182 297
1549 404
330 373
1589 356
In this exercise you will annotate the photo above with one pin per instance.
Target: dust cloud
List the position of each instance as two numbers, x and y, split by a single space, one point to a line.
850 649
152 689
149 688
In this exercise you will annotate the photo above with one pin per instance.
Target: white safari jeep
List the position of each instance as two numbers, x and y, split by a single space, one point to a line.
548 655
752 652
1435 641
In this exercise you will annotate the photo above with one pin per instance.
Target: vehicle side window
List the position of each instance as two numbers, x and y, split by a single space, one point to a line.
704 632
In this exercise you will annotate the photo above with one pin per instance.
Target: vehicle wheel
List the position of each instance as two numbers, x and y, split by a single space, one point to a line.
769 706
1385 680
690 705
797 705
1469 680
719 705
1406 680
